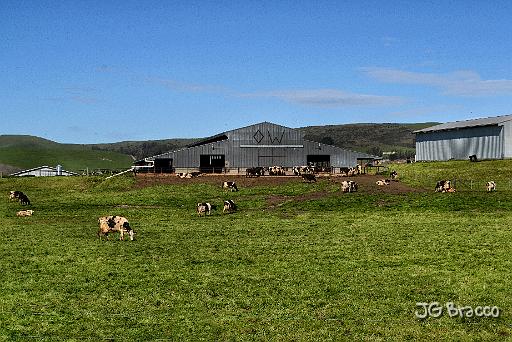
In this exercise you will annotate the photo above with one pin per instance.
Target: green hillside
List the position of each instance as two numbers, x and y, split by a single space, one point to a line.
23 151
369 137
142 149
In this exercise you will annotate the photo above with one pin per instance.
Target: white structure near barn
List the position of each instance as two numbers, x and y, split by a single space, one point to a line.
44 171
486 138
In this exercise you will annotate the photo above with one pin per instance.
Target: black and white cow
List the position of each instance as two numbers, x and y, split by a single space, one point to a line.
230 185
229 206
491 186
20 196
309 177
348 186
443 186
255 171
394 175
205 208
111 224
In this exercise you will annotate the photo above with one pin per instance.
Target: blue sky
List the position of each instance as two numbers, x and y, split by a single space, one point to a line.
105 71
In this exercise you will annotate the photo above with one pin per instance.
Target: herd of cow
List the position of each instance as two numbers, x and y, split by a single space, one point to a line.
119 224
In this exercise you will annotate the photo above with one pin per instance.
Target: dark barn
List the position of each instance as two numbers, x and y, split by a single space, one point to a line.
264 144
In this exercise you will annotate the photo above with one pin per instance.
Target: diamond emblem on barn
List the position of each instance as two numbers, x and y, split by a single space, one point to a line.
258 136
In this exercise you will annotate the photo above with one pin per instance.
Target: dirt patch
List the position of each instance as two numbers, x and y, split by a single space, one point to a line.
146 180
366 184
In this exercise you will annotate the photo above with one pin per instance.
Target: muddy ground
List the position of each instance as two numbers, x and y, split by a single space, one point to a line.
366 183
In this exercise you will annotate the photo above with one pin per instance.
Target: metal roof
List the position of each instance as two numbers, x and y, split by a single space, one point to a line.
495 120
42 167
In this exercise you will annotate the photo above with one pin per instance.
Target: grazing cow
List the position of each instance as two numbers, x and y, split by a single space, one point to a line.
230 185
229 206
394 175
443 186
255 171
348 186
205 208
309 177
23 213
383 182
111 224
20 196
491 186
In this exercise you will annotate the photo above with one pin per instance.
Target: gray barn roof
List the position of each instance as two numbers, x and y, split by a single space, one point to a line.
467 123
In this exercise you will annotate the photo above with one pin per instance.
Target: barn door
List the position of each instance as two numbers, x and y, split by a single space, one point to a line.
212 163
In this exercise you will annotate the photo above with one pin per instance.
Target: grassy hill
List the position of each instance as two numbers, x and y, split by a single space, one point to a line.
369 137
24 151
142 149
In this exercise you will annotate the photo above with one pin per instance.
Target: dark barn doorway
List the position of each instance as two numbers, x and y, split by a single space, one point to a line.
212 163
163 165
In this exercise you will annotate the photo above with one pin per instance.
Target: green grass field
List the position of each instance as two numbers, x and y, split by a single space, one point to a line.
340 267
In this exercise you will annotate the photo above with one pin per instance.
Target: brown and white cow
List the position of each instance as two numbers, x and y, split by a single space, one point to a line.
383 182
444 186
23 213
111 224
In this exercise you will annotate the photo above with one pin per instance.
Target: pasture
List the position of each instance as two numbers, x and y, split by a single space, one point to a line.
297 261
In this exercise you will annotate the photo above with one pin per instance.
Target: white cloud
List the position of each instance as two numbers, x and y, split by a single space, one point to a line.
328 98
459 83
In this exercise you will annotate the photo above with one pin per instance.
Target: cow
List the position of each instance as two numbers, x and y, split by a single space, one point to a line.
13 195
491 186
443 186
276 171
20 196
394 175
188 175
383 182
309 177
255 171
111 224
205 208
300 170
229 206
23 213
230 185
348 186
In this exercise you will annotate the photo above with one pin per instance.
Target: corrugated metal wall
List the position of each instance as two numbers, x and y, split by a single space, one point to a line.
486 142
264 144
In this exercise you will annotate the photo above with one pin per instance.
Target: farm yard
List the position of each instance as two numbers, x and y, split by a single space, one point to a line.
296 261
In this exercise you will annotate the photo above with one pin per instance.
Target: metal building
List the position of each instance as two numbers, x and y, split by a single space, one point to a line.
487 138
44 171
264 144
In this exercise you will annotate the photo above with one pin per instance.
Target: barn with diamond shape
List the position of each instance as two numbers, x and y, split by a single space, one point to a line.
264 144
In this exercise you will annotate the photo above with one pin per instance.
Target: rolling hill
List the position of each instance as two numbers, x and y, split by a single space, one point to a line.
24 151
